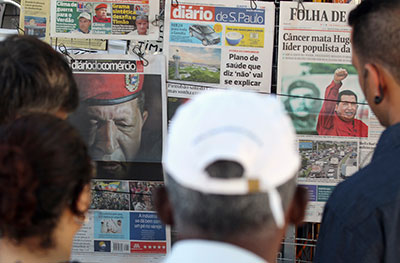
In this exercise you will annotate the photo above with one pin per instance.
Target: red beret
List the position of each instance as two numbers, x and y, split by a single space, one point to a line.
100 6
108 89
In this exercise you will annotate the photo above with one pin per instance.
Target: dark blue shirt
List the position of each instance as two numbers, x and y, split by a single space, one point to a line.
361 221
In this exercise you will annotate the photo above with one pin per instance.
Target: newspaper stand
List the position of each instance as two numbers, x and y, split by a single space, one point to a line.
299 243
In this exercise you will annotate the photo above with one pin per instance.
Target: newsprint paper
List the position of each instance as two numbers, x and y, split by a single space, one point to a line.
106 19
218 44
122 117
314 43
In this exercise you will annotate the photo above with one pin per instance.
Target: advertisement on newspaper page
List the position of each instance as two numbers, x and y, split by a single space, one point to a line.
107 19
218 44
315 62
34 18
122 113
122 226
324 164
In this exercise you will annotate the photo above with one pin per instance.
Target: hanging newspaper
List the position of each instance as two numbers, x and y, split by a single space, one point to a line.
106 19
122 117
218 44
320 90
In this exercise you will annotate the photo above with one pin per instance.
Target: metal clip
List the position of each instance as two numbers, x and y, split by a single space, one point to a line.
300 2
158 18
16 25
136 50
253 4
174 5
63 49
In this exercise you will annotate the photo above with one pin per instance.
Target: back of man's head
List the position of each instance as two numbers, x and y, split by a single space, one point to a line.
231 163
221 217
34 78
376 38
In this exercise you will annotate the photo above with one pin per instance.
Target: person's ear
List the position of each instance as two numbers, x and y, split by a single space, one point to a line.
372 77
163 205
84 199
145 115
62 114
298 206
336 106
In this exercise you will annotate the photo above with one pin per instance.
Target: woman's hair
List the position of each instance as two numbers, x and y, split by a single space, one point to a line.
44 166
34 78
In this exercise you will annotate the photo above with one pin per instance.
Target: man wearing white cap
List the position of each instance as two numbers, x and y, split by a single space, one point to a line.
83 23
231 165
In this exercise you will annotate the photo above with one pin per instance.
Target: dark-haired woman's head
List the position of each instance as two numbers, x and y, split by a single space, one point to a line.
34 78
45 171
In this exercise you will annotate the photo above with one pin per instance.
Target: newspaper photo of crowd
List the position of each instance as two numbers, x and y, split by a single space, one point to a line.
112 195
142 195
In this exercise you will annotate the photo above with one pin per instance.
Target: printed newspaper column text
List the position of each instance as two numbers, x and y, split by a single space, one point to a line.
67 16
123 18
243 70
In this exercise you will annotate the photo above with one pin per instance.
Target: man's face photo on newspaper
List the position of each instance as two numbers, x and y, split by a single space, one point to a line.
115 131
112 116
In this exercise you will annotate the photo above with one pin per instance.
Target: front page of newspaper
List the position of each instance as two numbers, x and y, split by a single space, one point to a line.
35 21
218 44
107 19
122 117
336 135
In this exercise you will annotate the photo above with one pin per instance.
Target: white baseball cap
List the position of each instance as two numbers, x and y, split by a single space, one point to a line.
84 15
245 127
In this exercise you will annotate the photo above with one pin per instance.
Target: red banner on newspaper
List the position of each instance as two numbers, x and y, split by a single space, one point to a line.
193 12
149 247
